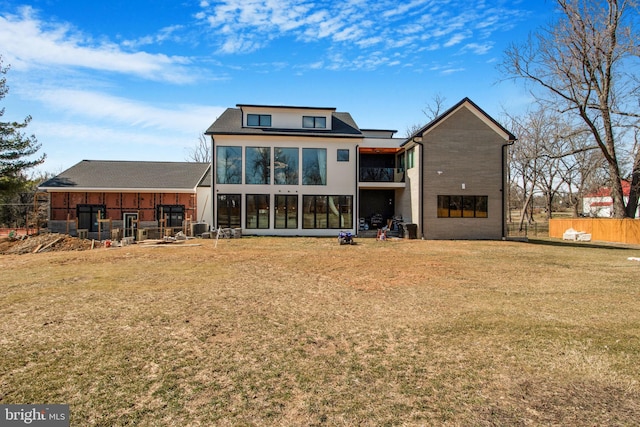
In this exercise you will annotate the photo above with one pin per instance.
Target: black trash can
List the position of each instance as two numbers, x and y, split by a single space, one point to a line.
410 231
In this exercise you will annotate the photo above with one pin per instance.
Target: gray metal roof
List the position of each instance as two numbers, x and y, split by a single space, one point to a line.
128 175
230 123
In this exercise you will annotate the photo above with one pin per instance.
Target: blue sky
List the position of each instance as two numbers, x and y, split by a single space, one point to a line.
141 79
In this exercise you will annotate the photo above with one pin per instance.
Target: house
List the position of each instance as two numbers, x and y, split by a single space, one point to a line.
290 170
599 204
305 171
456 165
131 194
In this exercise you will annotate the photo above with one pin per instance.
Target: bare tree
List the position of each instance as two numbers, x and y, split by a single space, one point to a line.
201 152
583 169
552 158
525 159
632 206
580 63
431 111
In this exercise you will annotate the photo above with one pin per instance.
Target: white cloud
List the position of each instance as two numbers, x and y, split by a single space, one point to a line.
29 42
448 71
401 9
106 108
166 33
67 143
92 125
371 41
478 49
455 39
243 26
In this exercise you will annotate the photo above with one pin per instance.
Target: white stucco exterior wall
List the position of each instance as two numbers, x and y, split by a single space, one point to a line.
341 178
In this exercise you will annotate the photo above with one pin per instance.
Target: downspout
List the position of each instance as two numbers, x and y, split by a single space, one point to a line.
356 203
421 174
504 195
416 141
213 192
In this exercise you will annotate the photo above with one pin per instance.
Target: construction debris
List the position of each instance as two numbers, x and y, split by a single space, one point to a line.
579 236
49 242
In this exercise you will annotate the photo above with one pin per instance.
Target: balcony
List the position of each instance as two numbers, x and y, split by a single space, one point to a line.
382 175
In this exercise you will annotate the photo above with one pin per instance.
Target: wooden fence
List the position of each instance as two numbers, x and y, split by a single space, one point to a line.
603 229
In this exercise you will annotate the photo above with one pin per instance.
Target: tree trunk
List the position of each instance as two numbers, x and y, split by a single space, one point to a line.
617 195
524 209
549 204
634 191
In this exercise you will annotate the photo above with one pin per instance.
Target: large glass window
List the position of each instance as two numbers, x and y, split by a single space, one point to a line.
228 165
263 120
257 211
286 211
327 212
258 165
317 122
340 212
463 206
314 166
172 214
285 167
229 211
88 216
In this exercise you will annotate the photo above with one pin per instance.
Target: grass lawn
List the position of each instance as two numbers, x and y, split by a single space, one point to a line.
302 331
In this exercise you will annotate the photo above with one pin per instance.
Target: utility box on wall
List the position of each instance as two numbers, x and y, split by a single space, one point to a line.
142 234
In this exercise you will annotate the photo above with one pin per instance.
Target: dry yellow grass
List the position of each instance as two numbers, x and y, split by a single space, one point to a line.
301 331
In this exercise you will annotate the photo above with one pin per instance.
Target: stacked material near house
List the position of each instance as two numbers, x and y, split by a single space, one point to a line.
579 236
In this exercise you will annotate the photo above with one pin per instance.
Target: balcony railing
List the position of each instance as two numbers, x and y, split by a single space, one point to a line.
381 174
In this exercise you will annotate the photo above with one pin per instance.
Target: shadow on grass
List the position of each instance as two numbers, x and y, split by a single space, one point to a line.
588 245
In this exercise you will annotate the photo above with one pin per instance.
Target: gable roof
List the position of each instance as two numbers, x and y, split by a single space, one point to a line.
113 175
479 112
230 123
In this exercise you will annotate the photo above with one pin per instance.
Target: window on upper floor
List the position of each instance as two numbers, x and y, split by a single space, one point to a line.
411 154
285 166
228 165
263 120
400 162
317 122
314 166
343 155
257 165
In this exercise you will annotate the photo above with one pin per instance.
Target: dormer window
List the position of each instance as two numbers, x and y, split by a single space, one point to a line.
260 120
315 122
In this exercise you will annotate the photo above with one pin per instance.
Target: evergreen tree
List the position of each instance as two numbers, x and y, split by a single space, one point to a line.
16 148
